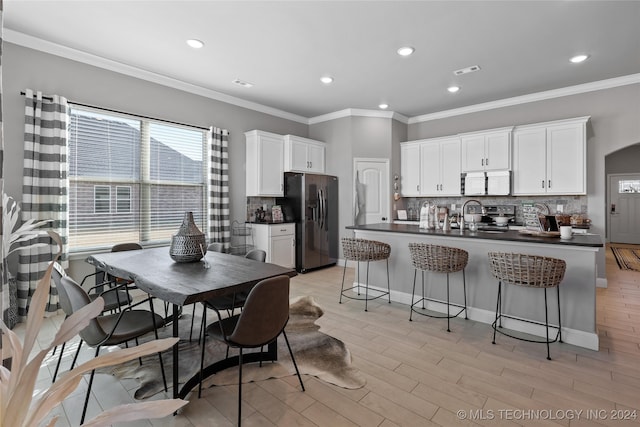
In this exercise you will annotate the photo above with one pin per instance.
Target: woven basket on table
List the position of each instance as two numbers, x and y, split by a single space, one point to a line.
364 250
527 270
441 259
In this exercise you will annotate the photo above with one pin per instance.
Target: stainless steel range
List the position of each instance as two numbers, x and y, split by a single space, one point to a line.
493 211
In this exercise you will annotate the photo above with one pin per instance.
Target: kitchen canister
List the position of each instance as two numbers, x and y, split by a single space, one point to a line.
189 243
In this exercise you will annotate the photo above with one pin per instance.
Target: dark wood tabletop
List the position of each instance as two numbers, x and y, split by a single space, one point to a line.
156 273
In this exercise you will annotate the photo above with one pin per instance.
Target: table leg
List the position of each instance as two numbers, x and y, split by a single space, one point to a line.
175 351
270 355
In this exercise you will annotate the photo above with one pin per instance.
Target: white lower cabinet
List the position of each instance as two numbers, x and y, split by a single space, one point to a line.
278 241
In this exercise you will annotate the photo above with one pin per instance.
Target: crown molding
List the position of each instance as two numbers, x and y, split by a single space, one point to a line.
524 99
35 43
357 112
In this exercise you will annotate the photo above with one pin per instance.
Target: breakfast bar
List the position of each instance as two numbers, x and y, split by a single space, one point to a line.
577 290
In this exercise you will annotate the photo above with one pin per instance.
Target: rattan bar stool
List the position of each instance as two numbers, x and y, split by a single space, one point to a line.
364 250
530 271
437 259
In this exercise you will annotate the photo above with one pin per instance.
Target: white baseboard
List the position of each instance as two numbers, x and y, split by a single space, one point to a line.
570 336
601 282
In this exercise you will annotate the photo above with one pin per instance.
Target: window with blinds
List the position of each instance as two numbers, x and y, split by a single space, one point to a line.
132 179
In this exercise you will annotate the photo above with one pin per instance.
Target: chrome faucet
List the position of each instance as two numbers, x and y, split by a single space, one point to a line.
482 210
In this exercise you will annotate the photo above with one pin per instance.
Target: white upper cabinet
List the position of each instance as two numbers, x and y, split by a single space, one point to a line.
430 167
303 155
264 164
550 158
410 169
487 150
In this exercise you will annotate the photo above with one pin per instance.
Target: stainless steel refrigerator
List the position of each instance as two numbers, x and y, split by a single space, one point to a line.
312 200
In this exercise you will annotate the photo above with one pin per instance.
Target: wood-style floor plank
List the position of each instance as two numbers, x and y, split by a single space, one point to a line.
420 375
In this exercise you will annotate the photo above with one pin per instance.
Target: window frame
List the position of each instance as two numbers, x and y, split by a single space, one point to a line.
96 199
146 224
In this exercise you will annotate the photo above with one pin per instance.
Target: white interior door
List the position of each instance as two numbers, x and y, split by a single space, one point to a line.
371 191
624 208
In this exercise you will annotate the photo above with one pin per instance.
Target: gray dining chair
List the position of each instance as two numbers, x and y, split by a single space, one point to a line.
228 303
256 255
114 300
110 329
262 320
216 247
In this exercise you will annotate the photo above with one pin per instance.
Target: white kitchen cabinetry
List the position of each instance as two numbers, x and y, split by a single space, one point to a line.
303 155
278 241
431 167
550 158
440 162
264 164
410 169
486 151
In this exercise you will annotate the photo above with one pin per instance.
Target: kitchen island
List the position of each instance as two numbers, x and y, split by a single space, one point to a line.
577 290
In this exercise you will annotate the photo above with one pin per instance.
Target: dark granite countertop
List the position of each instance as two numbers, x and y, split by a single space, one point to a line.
269 222
589 240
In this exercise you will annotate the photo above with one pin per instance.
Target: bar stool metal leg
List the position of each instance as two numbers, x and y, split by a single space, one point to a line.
364 250
532 272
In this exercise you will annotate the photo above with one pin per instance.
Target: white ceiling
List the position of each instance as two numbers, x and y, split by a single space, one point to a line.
283 48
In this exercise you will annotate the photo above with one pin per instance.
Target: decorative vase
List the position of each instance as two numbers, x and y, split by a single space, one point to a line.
188 244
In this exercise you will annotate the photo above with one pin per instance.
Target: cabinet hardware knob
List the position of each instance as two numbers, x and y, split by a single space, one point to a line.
486 162
549 185
543 183
482 162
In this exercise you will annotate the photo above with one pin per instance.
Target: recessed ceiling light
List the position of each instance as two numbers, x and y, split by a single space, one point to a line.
453 89
194 43
242 83
579 58
406 51
383 106
326 79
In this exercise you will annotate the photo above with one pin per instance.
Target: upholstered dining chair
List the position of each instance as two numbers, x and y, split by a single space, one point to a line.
110 329
256 255
228 303
114 300
261 321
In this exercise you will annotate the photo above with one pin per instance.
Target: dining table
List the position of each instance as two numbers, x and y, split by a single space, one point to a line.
156 273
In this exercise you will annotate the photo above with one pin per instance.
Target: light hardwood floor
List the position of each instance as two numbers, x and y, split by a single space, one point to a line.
420 375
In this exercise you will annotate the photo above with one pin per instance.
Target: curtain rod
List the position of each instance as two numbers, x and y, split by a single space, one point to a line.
49 98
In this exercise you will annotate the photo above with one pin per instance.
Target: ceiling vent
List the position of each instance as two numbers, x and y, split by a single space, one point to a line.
467 70
242 83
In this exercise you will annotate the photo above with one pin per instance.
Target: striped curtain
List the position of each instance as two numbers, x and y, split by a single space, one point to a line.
44 190
219 225
4 276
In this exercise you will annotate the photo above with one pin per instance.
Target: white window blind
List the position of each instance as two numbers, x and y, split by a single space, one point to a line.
132 179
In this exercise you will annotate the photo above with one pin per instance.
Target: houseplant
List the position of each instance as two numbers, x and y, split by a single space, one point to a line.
18 405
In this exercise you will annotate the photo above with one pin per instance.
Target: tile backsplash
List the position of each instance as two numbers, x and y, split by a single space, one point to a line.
568 204
255 203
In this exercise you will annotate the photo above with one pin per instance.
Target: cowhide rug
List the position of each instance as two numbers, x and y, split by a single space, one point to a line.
316 353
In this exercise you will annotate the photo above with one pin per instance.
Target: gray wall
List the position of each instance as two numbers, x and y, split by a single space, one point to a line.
27 68
614 124
626 160
351 137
